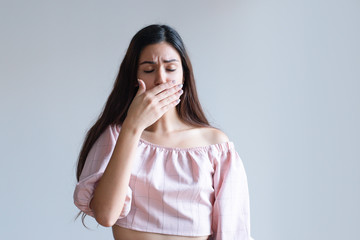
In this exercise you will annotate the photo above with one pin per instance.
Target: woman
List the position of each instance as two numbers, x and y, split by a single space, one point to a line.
152 167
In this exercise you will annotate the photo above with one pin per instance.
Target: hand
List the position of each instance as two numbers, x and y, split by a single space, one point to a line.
148 106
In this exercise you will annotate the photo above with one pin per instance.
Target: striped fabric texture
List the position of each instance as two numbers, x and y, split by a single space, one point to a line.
195 191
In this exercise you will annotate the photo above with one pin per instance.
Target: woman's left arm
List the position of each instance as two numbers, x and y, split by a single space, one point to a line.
231 210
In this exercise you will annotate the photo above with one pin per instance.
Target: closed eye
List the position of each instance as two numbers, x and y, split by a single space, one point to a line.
150 71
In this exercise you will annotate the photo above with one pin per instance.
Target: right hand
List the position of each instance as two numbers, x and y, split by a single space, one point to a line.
148 106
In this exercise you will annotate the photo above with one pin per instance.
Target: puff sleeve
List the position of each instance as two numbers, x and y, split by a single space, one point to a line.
231 209
95 165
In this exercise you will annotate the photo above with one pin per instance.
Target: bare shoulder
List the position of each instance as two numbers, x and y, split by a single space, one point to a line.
214 135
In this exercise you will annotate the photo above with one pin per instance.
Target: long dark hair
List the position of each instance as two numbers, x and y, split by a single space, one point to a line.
117 105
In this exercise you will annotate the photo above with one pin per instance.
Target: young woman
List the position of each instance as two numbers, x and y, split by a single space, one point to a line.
152 167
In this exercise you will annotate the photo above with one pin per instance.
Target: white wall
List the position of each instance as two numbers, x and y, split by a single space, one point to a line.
281 78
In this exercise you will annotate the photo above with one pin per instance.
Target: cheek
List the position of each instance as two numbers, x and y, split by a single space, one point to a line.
147 79
178 75
139 74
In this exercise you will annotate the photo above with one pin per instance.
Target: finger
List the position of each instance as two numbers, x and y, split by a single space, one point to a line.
170 105
170 99
158 89
169 92
142 87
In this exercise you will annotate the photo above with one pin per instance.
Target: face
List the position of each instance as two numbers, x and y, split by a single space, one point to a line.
159 63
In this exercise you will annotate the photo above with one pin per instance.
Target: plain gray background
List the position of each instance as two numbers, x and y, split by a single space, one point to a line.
280 78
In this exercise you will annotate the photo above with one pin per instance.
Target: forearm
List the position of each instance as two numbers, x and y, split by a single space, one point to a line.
110 193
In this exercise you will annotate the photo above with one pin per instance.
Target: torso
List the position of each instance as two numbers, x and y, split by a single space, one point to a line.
188 138
129 234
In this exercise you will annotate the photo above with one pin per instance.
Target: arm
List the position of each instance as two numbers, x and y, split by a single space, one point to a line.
146 108
110 193
231 210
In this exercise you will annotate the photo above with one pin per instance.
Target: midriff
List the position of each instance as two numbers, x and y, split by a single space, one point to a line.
121 233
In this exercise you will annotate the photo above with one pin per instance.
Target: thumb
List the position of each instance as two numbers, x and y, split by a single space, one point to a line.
142 87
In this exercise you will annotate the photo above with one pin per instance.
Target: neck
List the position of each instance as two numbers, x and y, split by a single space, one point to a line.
168 123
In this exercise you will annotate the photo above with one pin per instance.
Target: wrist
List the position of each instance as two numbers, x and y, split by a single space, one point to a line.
132 128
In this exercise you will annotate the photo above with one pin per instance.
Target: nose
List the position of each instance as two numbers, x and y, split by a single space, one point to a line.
160 76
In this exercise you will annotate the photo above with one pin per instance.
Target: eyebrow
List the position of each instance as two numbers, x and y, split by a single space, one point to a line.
165 61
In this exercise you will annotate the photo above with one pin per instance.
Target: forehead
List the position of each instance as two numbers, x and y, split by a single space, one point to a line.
162 51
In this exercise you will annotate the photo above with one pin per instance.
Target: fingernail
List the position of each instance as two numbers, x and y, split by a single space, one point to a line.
178 100
180 85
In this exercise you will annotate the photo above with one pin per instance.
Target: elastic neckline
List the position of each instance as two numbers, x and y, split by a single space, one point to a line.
219 146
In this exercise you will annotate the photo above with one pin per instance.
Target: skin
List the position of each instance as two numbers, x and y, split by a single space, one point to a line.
151 116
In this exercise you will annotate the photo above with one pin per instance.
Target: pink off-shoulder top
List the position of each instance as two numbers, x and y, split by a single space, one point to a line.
195 191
